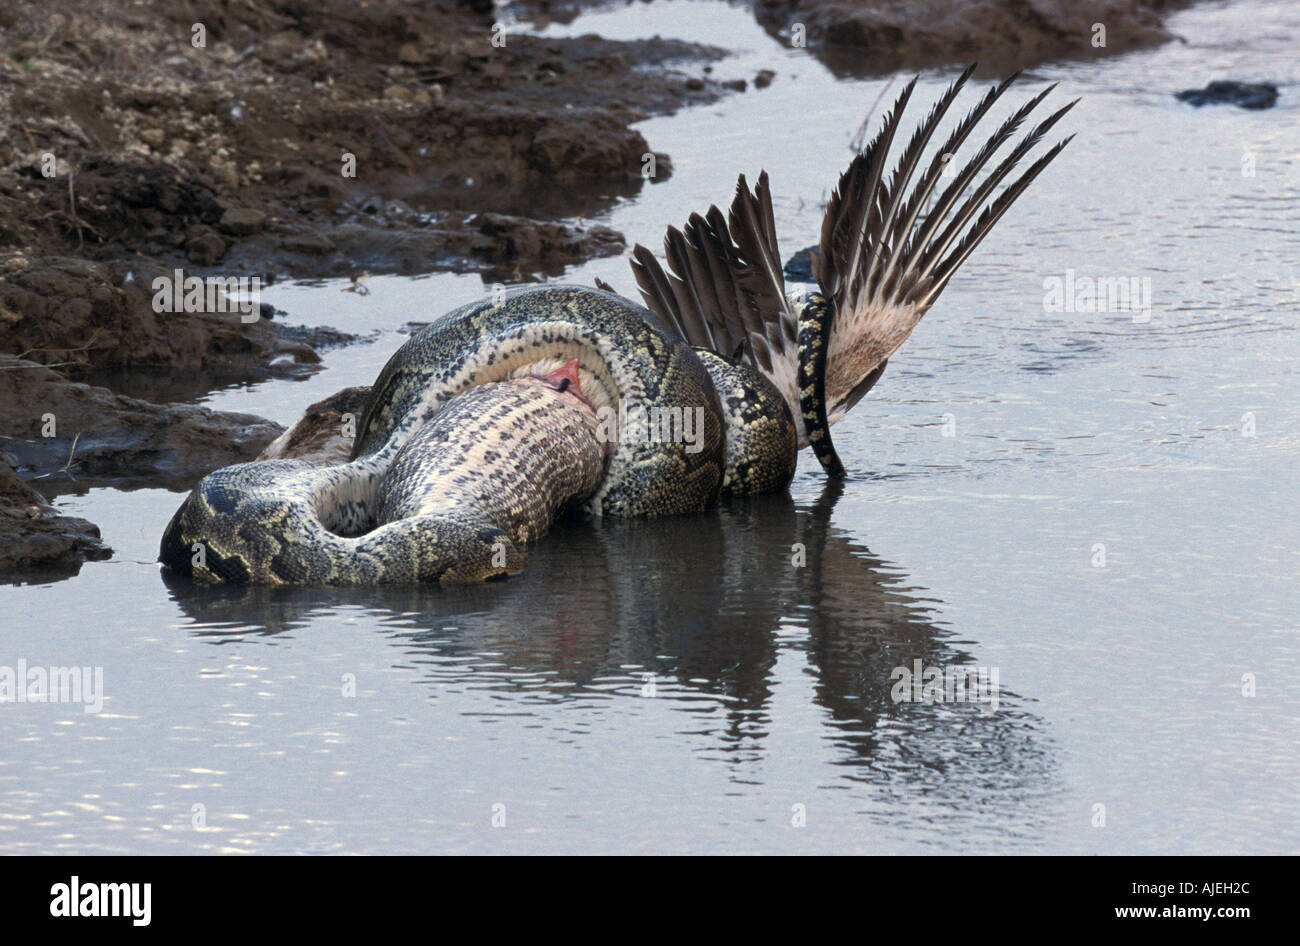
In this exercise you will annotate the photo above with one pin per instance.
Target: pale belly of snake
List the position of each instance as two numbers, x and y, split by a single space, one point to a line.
510 455
488 473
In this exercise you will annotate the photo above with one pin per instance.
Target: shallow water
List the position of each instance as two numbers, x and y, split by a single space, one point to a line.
683 685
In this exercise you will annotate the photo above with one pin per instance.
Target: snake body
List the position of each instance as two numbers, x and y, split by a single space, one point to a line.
508 454
457 462
711 390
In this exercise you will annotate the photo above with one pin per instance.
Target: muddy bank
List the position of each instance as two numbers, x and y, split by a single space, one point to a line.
297 138
53 425
865 38
36 543
75 313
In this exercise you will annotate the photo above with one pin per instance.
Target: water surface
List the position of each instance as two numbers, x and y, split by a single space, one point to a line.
722 682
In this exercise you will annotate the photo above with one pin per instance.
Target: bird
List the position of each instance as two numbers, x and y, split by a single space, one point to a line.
888 248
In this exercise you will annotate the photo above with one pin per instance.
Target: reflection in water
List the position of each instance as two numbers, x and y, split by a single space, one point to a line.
699 608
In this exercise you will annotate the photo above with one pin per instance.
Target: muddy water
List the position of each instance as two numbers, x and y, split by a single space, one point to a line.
1097 507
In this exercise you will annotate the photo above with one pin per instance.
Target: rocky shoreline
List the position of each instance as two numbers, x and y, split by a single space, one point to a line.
856 38
276 139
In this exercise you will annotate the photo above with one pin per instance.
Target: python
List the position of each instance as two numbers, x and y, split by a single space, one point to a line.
767 372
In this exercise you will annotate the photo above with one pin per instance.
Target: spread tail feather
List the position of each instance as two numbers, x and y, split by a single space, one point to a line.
882 260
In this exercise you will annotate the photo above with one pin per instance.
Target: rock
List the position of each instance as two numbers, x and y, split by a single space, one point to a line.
97 434
883 37
736 85
505 236
1242 94
663 168
587 148
205 248
764 78
313 244
36 542
243 221
798 268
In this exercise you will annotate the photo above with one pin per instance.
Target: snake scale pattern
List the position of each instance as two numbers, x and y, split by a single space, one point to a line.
459 458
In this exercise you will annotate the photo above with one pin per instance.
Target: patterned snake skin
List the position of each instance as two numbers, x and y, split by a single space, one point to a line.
453 470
